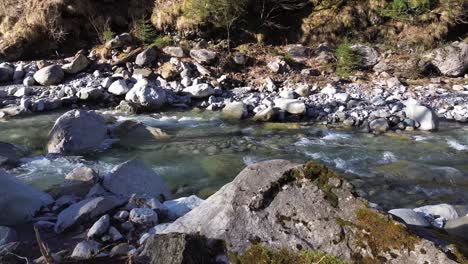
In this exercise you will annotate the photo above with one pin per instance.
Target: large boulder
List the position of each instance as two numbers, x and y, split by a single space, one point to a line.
427 118
147 94
200 90
6 72
9 155
182 248
49 75
451 60
286 205
19 201
369 55
77 131
203 56
86 211
79 63
146 57
133 177
292 106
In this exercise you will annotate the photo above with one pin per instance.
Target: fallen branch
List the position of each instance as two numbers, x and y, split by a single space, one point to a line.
128 57
43 248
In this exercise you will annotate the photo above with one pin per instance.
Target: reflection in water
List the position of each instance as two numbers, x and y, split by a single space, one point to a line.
204 152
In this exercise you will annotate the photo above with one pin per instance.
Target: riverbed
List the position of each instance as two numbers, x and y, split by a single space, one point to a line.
202 152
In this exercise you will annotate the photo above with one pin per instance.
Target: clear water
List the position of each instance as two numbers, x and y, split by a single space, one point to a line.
205 152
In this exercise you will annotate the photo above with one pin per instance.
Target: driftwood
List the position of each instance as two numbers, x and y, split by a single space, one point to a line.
128 57
43 248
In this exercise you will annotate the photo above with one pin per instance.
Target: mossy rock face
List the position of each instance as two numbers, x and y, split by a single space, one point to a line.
286 206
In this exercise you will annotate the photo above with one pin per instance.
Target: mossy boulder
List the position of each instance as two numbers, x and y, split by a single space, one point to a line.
288 206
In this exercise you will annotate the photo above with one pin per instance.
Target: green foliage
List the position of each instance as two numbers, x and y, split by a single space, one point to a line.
161 41
260 254
145 31
347 61
404 9
107 35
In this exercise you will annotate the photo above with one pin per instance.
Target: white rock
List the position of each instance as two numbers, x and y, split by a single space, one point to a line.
143 216
118 87
444 210
410 217
85 249
427 119
99 227
292 106
179 207
200 90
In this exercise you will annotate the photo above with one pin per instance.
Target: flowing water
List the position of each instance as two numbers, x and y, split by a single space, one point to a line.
204 152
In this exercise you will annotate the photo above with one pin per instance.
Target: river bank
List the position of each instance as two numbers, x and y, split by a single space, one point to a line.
197 122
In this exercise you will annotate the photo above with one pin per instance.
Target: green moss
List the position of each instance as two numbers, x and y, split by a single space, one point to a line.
162 41
321 175
260 254
382 233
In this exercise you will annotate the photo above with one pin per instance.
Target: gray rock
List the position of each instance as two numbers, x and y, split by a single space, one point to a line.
180 207
147 57
278 65
393 82
7 235
118 87
379 125
100 227
265 201
239 58
369 55
115 234
202 90
235 110
265 115
143 216
6 72
410 217
292 106
85 211
147 94
49 75
77 131
133 177
121 249
29 81
19 201
177 52
119 41
85 250
78 64
457 227
9 155
203 56
78 182
182 248
451 60
107 82
19 73
427 119
90 93
298 52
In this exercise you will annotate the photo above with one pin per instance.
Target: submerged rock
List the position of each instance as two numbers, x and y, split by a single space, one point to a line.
285 205
133 177
7 235
9 155
19 201
77 131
